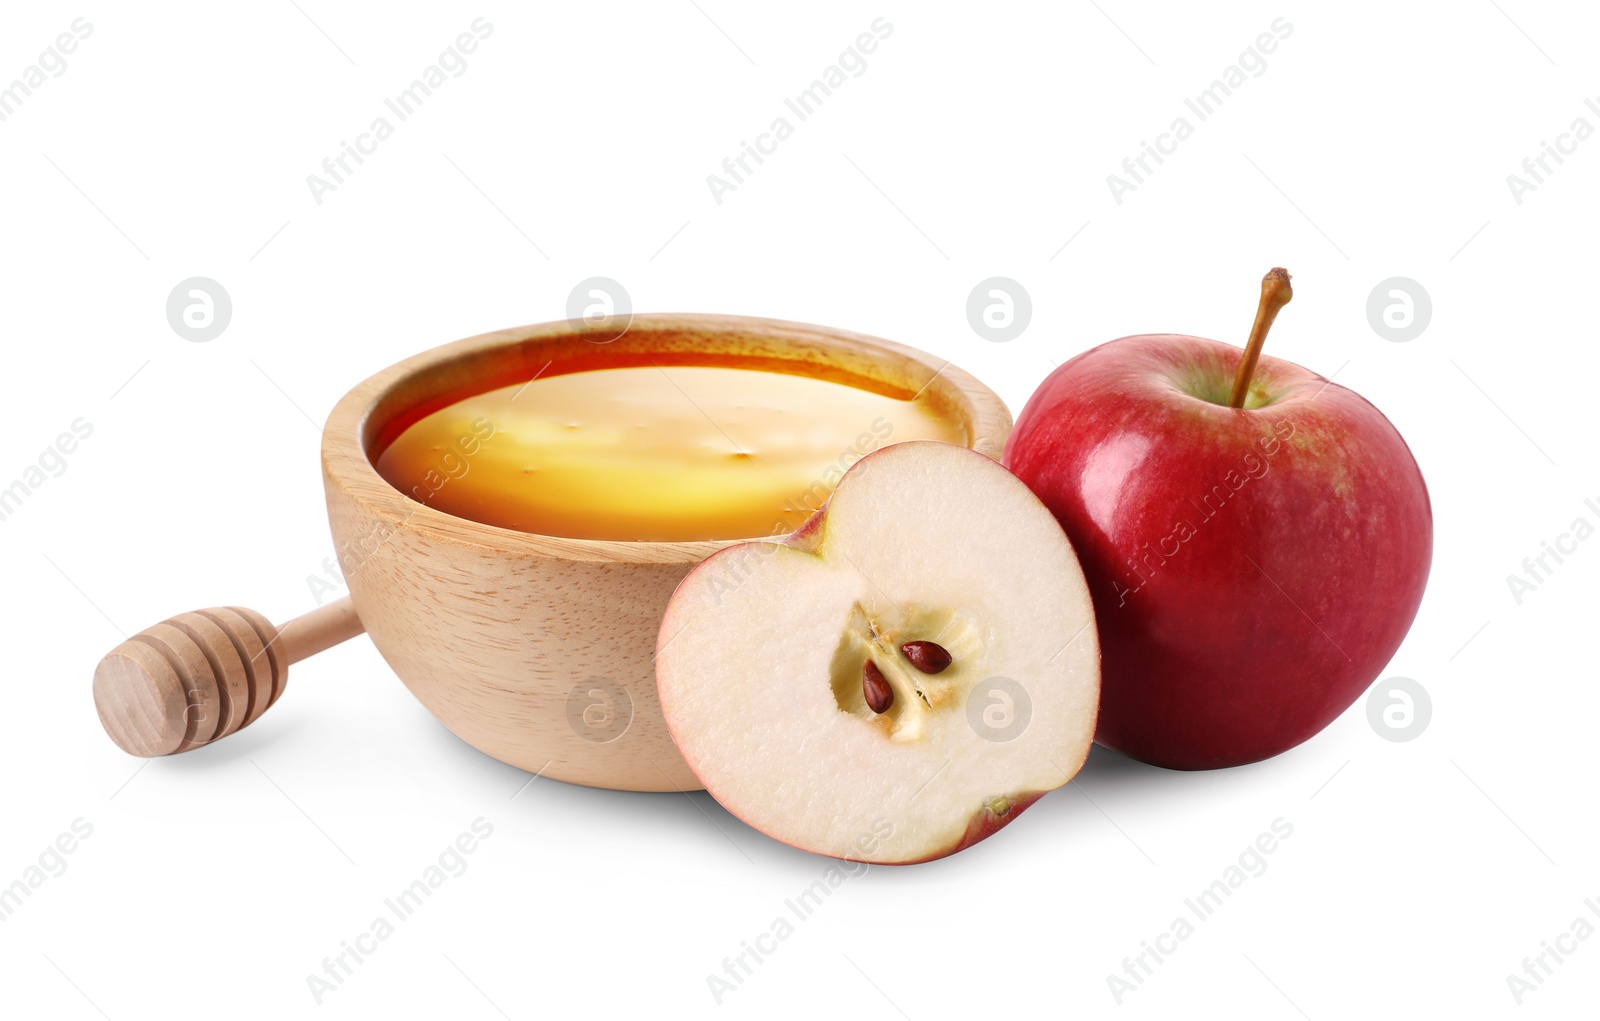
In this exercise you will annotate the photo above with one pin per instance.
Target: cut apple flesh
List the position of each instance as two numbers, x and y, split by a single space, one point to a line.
932 572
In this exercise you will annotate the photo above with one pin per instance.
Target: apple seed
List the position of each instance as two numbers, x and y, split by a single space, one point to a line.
879 695
929 657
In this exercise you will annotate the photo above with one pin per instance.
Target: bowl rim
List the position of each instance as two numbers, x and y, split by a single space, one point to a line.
439 372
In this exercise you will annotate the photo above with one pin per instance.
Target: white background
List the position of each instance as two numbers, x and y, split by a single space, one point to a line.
1376 143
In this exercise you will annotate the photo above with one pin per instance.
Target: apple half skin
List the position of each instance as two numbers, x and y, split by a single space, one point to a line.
986 823
1252 569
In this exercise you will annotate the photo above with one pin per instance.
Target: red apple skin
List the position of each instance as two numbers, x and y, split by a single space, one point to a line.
1253 569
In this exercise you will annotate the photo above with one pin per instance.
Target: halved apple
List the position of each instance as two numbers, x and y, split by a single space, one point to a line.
898 679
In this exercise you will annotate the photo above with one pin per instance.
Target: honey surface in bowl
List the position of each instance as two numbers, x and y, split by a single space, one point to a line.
650 453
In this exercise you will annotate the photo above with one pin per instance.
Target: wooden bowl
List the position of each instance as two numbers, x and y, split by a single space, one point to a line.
536 649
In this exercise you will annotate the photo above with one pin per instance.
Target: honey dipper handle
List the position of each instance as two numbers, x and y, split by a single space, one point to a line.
320 630
201 676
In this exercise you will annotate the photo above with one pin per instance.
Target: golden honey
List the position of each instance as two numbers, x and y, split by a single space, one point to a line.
651 453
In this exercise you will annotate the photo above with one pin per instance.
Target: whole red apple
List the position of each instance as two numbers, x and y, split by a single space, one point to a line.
1256 539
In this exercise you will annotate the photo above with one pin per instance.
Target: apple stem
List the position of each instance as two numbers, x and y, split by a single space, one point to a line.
1275 293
